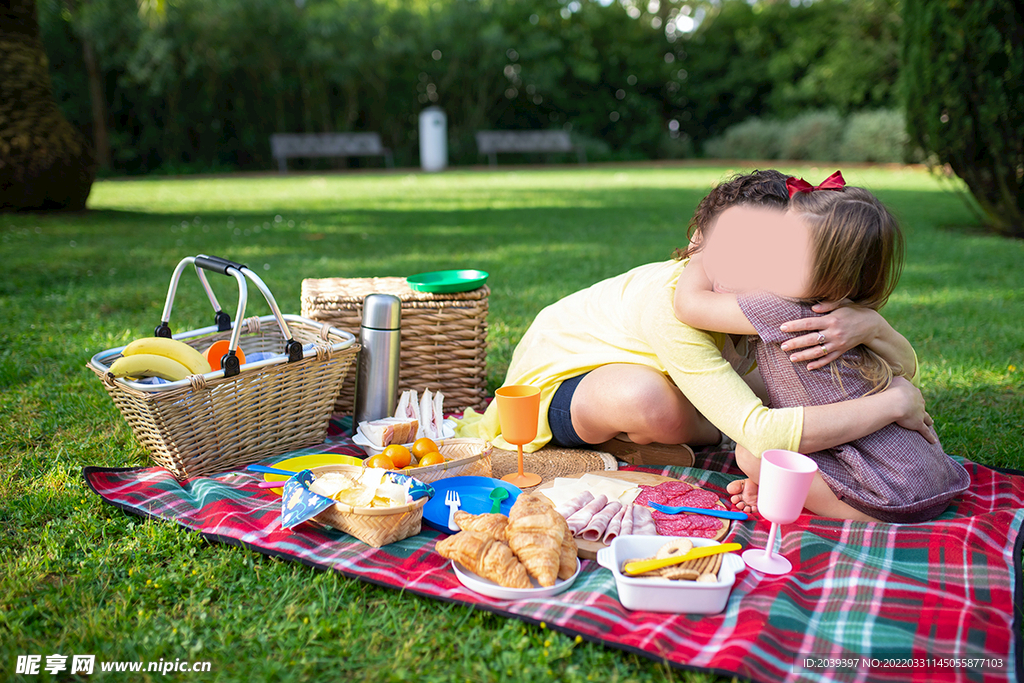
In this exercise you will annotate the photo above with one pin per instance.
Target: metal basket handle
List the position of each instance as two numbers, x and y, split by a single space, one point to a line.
240 272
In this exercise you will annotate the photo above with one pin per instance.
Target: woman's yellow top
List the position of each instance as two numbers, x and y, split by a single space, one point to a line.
630 319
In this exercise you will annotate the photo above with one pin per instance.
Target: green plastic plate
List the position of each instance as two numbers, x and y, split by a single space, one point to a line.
448 281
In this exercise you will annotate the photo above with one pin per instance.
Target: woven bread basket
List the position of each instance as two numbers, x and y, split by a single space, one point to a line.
465 458
443 338
373 526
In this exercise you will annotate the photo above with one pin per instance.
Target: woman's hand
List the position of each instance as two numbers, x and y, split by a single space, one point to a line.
910 405
845 326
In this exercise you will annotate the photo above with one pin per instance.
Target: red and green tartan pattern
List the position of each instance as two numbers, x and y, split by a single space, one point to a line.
948 588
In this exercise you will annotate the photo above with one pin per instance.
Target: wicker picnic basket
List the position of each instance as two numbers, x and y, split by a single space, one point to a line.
443 341
214 422
373 526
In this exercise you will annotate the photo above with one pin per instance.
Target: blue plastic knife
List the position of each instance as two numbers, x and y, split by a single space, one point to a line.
723 514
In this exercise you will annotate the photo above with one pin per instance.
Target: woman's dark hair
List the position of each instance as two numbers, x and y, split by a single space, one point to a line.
761 188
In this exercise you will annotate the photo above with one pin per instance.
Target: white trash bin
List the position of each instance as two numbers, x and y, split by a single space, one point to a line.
433 139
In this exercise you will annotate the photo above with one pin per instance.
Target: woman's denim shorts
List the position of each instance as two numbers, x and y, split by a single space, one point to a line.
560 419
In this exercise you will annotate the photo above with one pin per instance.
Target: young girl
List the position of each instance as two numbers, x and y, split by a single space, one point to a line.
829 245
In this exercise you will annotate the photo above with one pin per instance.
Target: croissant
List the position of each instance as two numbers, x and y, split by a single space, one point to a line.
535 534
567 556
489 524
485 557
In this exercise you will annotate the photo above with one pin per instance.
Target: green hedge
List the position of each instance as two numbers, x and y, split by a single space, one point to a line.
878 136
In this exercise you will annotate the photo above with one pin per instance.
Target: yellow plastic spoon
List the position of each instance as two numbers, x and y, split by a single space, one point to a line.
643 566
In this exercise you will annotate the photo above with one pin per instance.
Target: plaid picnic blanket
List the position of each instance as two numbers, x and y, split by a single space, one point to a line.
939 601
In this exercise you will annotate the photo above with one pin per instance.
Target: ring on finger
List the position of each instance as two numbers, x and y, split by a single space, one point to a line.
821 338
824 350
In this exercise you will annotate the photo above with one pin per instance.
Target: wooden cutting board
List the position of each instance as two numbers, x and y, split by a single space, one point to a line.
588 549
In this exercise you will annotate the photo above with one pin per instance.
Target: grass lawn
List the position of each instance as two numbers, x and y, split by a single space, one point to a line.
78 576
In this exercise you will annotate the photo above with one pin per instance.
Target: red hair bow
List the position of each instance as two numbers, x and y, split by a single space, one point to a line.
833 182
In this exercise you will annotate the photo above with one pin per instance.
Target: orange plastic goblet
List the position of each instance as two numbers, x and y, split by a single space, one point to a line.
518 411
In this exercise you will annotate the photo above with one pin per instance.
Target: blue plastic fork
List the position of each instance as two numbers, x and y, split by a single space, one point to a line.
723 514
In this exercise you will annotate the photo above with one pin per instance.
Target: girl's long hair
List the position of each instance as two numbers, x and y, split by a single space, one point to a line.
858 254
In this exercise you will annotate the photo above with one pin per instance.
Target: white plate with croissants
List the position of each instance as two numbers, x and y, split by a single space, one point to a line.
529 554
494 590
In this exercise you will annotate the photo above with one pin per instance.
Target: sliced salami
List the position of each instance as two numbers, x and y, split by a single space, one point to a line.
680 493
687 525
696 498
648 495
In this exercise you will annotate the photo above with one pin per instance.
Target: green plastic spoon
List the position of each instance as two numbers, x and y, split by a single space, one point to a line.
497 495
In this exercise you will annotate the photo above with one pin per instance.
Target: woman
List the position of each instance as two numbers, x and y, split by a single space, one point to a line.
613 361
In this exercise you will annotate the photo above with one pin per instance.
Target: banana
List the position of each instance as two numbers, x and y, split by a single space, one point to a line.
170 348
149 365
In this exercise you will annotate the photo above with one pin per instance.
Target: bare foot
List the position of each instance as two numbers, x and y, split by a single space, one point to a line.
744 495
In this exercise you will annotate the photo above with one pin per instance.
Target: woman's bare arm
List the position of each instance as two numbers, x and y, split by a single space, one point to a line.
830 425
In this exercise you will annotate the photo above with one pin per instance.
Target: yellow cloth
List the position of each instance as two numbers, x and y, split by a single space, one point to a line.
629 319
468 426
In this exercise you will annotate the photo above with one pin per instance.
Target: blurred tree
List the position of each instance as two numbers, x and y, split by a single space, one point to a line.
964 69
199 85
774 59
97 94
45 162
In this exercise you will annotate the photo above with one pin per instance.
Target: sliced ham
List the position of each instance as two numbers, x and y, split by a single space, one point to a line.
643 522
581 518
574 504
408 406
426 415
595 530
627 520
615 525
389 430
438 416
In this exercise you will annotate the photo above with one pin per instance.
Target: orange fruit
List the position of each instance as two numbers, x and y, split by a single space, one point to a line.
433 458
399 455
217 351
423 446
380 460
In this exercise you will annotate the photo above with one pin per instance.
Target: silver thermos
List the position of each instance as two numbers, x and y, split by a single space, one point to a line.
380 339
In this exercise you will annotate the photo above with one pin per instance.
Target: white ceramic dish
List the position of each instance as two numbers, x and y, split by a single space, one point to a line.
664 595
493 590
447 427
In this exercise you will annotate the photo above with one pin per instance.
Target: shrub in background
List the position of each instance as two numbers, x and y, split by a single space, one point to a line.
754 138
813 135
878 136
963 70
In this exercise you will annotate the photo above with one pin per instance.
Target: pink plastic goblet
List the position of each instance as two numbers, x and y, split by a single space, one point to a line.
785 481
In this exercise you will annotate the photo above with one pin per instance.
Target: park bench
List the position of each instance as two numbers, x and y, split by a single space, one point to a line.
490 142
284 146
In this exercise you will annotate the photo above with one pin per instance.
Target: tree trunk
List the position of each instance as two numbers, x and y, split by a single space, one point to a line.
45 163
100 136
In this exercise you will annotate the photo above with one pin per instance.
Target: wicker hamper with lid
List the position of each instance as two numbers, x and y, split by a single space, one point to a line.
444 336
